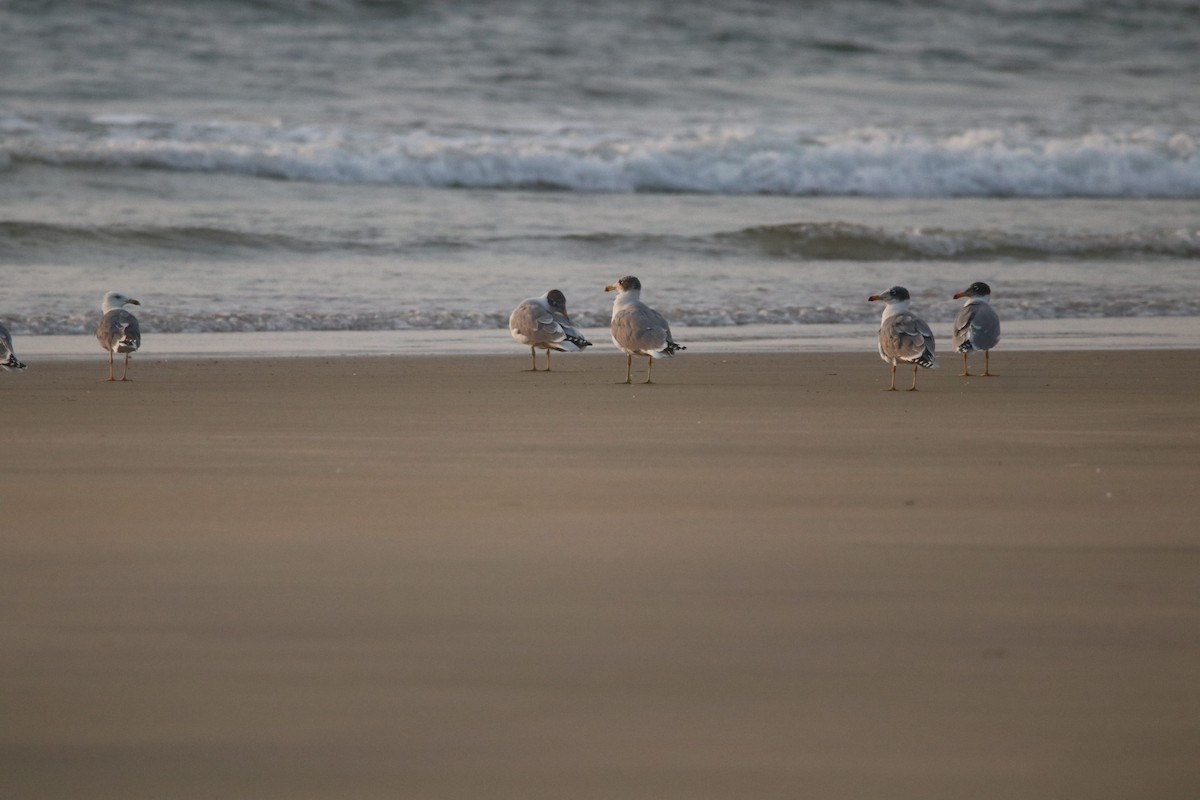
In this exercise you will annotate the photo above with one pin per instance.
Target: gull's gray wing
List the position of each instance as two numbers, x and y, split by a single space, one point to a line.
977 327
907 338
533 324
571 334
119 332
640 330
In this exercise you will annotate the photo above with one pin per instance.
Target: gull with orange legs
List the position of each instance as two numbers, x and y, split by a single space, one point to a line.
637 329
904 338
977 326
542 322
118 331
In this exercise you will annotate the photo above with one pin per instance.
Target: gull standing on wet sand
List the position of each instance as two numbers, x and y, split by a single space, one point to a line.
977 326
637 329
543 322
904 337
118 331
8 359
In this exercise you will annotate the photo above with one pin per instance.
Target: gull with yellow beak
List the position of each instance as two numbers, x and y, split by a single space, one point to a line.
637 329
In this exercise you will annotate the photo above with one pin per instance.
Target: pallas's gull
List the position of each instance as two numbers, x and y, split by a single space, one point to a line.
904 338
977 326
543 322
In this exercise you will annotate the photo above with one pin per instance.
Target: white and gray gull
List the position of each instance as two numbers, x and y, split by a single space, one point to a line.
543 322
637 329
977 326
118 331
904 338
8 359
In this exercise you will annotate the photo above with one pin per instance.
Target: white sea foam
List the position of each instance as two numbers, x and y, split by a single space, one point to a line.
873 162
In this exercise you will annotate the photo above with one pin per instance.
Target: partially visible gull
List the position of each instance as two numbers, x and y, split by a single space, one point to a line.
118 331
8 359
543 322
904 338
977 327
637 329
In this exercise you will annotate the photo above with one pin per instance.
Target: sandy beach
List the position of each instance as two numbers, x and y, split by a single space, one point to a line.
761 577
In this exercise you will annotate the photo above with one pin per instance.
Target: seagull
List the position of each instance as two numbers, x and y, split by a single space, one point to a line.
8 359
976 327
543 322
637 329
118 331
903 336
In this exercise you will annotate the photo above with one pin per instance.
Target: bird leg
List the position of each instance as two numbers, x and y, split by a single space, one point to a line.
533 359
628 367
892 388
987 364
913 388
966 373
125 372
649 368
547 359
110 367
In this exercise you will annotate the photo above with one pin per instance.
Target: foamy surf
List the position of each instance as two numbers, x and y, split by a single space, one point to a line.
870 162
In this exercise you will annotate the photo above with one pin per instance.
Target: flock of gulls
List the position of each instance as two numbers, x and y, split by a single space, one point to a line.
637 330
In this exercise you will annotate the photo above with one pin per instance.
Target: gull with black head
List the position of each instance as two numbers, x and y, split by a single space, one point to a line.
637 329
977 326
118 331
543 322
904 338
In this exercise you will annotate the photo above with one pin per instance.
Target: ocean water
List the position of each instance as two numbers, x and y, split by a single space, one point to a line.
379 171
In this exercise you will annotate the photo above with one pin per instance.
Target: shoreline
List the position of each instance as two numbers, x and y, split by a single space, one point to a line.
761 577
1126 333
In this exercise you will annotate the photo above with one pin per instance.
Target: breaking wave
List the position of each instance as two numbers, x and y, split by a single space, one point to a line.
870 162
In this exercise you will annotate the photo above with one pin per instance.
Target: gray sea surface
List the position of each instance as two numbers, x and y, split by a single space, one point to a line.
362 168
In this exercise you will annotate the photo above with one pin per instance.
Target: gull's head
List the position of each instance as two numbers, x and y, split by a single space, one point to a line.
977 290
626 284
896 294
117 300
557 301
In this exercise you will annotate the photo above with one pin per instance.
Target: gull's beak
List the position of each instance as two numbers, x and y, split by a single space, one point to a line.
612 287
134 302
960 295
873 298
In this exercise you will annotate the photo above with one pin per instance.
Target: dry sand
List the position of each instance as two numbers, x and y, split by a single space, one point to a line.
762 577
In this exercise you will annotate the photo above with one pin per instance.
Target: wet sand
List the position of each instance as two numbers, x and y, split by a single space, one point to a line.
762 577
